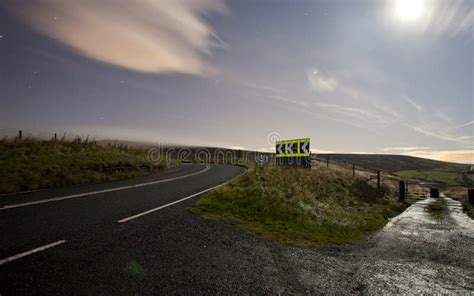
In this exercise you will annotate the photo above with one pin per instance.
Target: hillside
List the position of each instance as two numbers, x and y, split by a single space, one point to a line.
394 163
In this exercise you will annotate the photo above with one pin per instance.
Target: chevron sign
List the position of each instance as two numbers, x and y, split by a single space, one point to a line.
293 148
293 152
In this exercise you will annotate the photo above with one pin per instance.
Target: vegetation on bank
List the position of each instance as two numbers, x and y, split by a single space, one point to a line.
468 208
437 208
460 194
31 164
301 207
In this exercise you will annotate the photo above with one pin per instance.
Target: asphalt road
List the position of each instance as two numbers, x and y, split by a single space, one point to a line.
49 235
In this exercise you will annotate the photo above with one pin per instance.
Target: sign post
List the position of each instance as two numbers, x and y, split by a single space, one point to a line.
293 153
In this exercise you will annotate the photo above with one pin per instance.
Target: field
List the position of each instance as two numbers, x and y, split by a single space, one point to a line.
440 176
36 164
436 176
301 207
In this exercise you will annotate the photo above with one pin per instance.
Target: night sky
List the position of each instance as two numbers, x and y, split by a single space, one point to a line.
354 76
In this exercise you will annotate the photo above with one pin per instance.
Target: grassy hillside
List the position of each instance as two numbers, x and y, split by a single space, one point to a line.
35 164
409 167
301 207
394 163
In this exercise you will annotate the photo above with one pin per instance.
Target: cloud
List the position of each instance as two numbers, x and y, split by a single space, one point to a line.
441 115
321 82
263 87
439 134
167 36
464 124
414 104
405 149
454 16
463 156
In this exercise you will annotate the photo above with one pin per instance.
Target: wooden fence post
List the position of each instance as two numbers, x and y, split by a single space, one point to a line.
353 170
434 192
378 179
19 135
55 136
327 161
470 193
401 191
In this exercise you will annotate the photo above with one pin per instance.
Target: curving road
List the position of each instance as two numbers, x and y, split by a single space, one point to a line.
40 228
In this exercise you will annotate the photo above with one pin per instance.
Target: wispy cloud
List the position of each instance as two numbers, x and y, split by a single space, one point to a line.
263 87
464 156
465 124
414 104
441 134
146 36
443 116
405 149
450 16
320 81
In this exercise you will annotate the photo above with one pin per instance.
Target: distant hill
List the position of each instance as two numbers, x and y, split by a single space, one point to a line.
394 163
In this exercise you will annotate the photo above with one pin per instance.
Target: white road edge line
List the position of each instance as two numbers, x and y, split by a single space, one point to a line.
25 204
167 205
18 256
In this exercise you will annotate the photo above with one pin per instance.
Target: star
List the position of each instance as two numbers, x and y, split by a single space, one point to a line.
1 36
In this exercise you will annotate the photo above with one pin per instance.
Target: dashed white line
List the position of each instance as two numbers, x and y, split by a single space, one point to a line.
39 249
167 205
25 204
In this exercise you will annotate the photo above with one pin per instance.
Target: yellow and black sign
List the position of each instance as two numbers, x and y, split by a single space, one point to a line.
293 148
293 153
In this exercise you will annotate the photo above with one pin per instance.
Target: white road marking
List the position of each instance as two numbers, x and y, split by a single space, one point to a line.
18 256
25 204
167 205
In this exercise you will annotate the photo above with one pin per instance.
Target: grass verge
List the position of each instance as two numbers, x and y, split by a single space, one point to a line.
34 164
300 207
437 208
461 194
469 209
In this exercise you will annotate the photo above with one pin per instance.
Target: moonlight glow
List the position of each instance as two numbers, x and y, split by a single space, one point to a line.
408 11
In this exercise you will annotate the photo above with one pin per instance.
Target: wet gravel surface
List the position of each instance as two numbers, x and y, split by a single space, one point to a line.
177 252
413 254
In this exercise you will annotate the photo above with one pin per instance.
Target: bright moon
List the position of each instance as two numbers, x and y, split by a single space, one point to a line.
409 10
